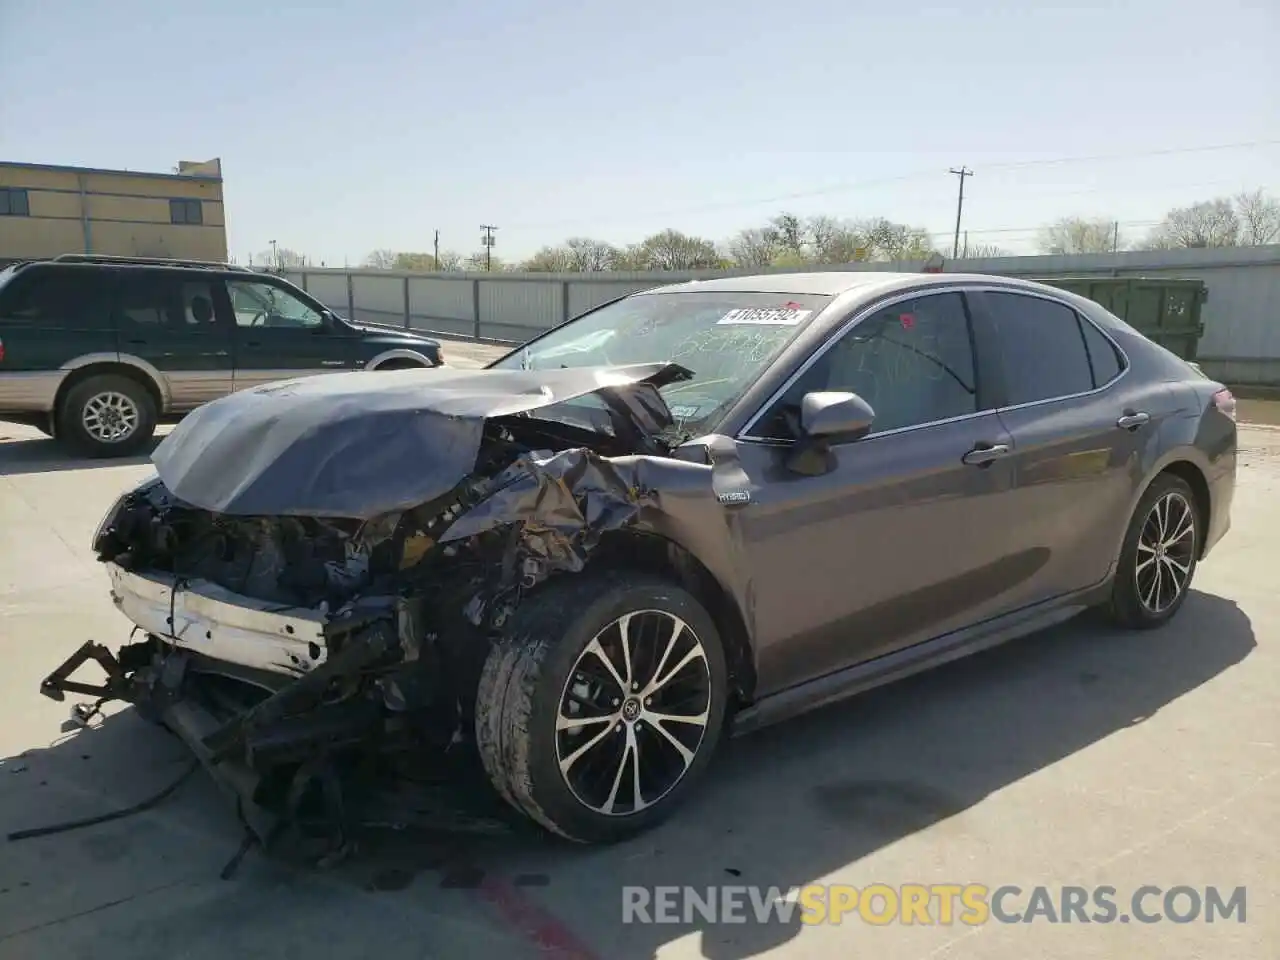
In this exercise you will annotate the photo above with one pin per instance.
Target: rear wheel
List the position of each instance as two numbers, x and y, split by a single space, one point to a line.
108 415
602 704
1158 558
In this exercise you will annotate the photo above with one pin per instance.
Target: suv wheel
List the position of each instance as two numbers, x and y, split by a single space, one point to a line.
107 416
1159 555
602 704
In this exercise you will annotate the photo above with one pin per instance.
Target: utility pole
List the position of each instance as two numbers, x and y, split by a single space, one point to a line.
436 251
487 240
966 245
275 256
1115 236
961 173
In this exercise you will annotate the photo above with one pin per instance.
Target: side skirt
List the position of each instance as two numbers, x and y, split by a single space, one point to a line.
915 659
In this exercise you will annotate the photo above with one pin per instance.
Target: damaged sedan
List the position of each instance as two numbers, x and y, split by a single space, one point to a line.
701 507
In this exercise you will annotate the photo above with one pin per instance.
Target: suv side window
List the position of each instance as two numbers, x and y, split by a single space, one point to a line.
1042 346
912 362
153 300
52 298
258 304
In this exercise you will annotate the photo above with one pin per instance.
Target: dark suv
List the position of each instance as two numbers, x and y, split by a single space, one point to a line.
93 350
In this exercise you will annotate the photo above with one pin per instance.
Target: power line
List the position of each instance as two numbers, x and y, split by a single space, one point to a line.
850 185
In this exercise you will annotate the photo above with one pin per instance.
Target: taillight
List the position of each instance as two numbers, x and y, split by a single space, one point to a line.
1225 401
1 350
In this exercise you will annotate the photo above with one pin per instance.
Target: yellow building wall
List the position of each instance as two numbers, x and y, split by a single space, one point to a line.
110 212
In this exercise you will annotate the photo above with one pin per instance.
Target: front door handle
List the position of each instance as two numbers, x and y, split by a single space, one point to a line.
985 454
1132 421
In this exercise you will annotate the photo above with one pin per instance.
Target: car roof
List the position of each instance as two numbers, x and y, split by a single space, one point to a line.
862 283
826 282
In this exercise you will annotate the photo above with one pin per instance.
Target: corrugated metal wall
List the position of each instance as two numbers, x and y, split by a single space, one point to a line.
1242 315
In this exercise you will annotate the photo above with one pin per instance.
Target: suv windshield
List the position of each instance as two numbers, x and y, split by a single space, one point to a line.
727 339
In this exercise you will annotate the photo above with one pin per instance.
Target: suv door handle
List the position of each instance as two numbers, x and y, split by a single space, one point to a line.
1132 421
984 454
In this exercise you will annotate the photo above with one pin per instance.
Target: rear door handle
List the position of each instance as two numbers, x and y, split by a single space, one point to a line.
1132 421
985 454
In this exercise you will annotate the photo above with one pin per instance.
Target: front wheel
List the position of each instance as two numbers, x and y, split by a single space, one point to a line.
1158 558
107 416
602 704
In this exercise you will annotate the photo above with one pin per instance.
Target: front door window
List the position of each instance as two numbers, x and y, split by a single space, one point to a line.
258 304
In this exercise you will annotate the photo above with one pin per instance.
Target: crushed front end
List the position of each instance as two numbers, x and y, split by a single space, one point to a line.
296 657
308 658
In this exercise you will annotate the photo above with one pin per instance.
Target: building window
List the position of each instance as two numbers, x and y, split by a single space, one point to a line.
186 211
13 202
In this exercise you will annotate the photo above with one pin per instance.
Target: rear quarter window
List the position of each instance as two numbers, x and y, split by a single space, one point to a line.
1103 356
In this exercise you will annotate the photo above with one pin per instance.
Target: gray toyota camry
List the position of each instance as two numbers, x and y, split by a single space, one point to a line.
697 509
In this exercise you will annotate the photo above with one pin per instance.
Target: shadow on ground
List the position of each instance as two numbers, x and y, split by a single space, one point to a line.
783 807
19 455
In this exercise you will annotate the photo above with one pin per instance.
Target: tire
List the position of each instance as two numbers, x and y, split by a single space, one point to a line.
402 364
533 670
114 395
1130 605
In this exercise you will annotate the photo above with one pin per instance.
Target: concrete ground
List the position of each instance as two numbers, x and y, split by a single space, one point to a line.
1081 756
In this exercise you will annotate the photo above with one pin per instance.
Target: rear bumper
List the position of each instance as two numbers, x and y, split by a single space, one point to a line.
1222 489
204 618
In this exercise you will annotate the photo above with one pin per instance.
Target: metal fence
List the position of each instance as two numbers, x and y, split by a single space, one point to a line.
1241 344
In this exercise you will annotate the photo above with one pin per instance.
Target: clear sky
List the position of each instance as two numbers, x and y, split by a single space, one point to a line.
342 132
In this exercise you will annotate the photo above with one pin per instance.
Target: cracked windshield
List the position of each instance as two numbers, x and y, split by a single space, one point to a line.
725 339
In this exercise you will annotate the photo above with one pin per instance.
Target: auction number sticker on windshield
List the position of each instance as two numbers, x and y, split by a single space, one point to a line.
765 316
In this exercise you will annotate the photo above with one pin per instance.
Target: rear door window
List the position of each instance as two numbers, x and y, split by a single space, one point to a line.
150 300
1041 345
59 298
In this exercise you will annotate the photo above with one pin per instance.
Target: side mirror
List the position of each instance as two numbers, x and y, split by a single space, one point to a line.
827 417
830 415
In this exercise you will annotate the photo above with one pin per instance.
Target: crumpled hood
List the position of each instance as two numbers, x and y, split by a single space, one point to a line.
363 444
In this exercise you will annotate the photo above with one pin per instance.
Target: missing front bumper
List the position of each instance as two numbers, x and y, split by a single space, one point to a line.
207 619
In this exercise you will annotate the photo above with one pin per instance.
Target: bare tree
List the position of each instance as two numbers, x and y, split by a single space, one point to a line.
549 260
1073 235
978 251
381 259
590 256
1259 216
836 241
896 241
426 262
575 255
673 250
1211 223
754 247
282 258
790 233
478 262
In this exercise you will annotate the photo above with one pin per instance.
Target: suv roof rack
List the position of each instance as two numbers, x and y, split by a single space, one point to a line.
149 261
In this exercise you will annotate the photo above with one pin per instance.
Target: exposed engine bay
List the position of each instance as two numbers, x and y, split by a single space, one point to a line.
297 654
